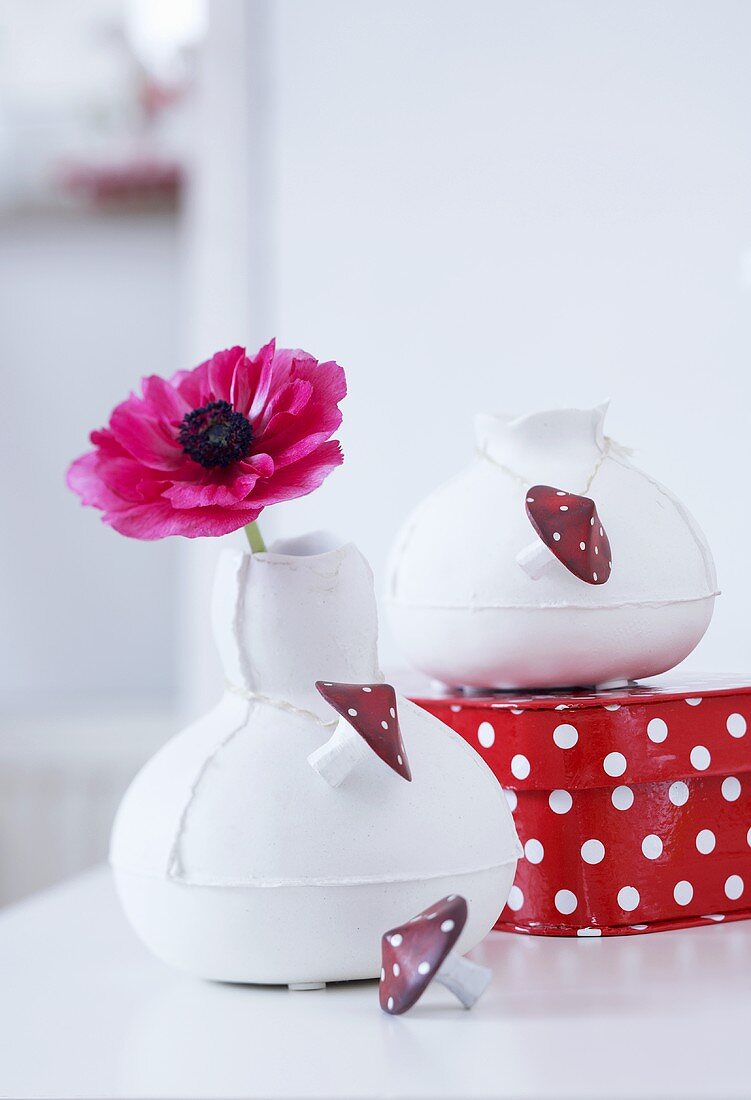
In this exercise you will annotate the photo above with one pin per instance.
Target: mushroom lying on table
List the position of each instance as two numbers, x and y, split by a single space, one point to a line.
420 951
569 531
368 723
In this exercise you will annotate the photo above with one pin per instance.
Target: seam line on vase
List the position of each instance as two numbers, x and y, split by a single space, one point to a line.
354 880
173 860
280 704
554 606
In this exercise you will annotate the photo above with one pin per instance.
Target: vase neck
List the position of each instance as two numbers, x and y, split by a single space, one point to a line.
283 621
562 444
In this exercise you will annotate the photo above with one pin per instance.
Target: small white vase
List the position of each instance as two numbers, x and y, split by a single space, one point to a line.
466 613
235 860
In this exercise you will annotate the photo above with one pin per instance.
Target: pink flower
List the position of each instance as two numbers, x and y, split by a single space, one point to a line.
205 452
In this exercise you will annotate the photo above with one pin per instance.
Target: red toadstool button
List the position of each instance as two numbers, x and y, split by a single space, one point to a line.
368 723
570 531
420 951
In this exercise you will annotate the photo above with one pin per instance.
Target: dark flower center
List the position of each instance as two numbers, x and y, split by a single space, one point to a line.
215 435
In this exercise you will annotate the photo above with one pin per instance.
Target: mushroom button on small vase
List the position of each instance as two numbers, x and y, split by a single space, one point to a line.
575 568
275 839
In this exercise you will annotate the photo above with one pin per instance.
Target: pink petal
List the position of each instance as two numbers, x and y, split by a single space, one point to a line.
163 400
253 382
300 478
143 437
186 494
222 368
157 521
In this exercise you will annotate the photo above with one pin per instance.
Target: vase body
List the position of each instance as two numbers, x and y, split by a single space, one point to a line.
467 614
235 861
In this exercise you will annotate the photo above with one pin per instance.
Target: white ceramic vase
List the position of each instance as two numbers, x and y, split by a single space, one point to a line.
235 860
466 613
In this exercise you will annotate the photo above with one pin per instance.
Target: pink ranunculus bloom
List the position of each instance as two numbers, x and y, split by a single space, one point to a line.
205 452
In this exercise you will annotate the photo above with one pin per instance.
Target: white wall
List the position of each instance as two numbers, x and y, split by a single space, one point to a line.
507 205
90 304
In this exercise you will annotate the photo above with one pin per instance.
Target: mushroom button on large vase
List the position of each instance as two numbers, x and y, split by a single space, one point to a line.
613 582
267 842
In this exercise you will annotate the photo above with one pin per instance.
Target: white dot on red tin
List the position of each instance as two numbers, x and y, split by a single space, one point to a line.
705 841
399 759
485 734
733 887
352 712
585 933
560 493
447 926
396 939
534 851
367 690
748 838
657 730
678 793
517 710
614 764
392 712
651 846
520 766
713 916
455 708
592 522
639 927
385 725
694 702
612 706
565 736
597 549
557 536
530 500
731 788
700 758
423 968
396 969
736 725
582 546
515 899
510 798
566 901
622 798
594 576
593 851
560 802
390 1004
683 892
628 898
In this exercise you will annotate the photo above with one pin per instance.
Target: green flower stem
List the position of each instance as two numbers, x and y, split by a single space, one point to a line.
255 538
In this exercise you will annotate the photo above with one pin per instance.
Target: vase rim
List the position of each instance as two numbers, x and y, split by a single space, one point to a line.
313 546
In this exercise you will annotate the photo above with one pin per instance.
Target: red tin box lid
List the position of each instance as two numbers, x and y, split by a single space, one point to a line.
661 729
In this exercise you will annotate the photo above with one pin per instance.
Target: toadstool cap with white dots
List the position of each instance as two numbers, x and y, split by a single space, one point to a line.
413 953
371 710
572 530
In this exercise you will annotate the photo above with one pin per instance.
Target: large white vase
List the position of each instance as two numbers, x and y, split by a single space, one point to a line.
468 614
235 860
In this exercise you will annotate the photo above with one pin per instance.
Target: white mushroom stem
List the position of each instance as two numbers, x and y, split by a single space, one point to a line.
343 751
465 979
535 559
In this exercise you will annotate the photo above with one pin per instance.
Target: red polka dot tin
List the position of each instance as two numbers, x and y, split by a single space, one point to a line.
633 805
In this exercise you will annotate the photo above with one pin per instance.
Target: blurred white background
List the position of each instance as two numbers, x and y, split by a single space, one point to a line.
471 205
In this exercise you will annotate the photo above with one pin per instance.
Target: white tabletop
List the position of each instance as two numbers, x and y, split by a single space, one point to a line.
86 1012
